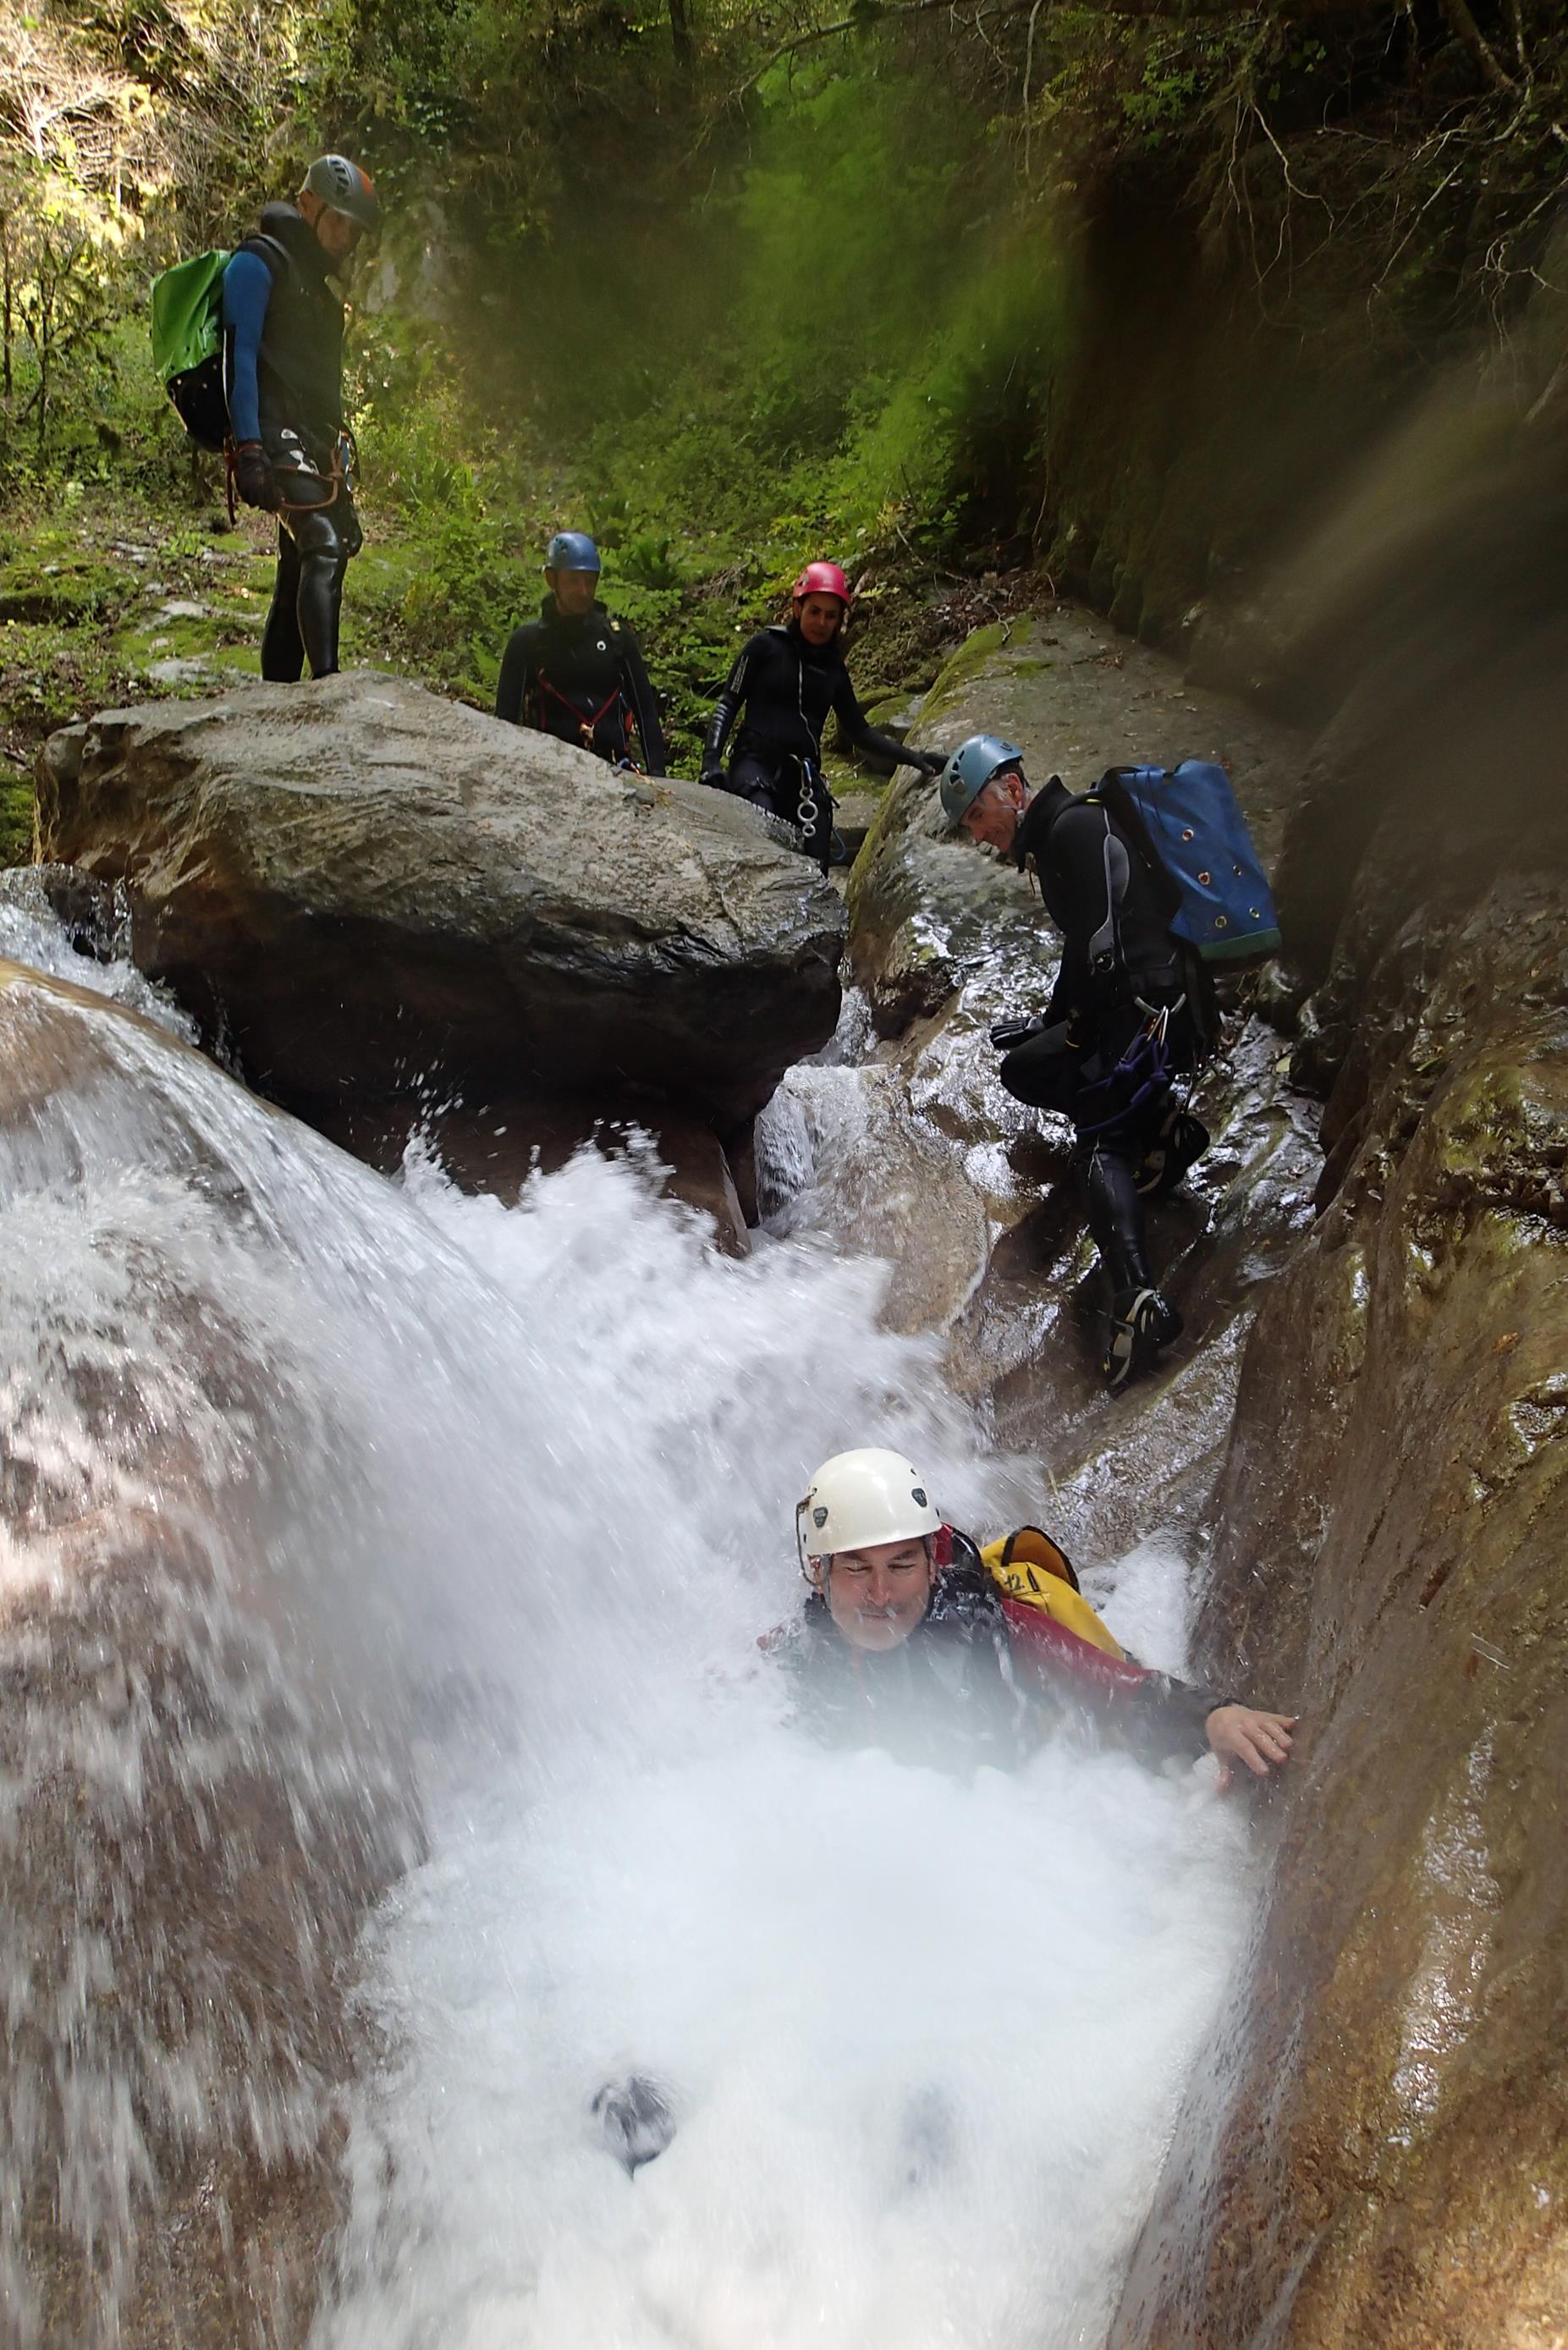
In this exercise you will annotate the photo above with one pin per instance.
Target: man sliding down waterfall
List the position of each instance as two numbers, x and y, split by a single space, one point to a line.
1130 1011
916 1640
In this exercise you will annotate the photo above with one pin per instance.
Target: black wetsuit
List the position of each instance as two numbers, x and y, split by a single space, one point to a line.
788 690
1119 957
962 1690
284 370
580 676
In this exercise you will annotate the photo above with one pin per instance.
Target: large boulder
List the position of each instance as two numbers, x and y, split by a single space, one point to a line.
359 886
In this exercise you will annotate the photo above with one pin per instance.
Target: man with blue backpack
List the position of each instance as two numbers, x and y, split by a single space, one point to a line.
283 375
1127 872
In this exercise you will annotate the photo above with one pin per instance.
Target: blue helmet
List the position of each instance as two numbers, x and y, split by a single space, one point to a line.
572 550
970 769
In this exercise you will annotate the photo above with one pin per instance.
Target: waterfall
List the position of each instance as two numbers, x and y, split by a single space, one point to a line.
466 1518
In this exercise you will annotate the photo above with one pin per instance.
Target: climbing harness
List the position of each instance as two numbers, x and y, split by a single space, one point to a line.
1144 1070
814 807
589 727
337 478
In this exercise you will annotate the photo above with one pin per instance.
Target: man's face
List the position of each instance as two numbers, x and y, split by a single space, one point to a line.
993 814
574 591
335 233
877 1596
819 617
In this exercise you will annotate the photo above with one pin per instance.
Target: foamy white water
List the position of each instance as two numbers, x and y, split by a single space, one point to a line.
31 933
924 2037
524 1479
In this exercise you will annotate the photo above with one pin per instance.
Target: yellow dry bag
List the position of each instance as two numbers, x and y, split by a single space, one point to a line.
1028 1566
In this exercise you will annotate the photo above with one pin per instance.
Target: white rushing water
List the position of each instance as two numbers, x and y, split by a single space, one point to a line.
525 1479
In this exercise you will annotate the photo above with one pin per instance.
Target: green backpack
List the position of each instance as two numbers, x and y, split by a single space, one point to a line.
188 338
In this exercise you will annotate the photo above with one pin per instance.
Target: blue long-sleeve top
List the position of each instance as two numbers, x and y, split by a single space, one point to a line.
247 290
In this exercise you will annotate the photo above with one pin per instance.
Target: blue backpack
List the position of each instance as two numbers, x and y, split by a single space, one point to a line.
1195 838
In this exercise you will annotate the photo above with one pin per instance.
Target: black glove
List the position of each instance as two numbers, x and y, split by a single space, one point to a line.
1009 1034
254 477
930 763
711 774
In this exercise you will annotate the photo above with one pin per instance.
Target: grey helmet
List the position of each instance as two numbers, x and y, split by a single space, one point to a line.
970 769
344 187
572 550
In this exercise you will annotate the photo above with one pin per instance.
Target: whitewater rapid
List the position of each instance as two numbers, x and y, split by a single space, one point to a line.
520 1482
924 2038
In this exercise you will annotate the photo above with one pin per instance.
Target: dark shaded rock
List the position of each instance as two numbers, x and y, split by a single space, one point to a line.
361 887
84 908
496 1151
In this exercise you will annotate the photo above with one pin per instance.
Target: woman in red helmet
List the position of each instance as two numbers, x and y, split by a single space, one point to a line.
787 681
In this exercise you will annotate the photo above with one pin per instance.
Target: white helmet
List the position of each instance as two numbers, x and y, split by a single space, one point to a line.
859 1498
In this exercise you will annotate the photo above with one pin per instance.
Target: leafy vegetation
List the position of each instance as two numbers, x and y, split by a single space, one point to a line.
728 285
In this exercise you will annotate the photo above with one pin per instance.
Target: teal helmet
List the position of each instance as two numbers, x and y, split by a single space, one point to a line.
345 187
572 550
970 769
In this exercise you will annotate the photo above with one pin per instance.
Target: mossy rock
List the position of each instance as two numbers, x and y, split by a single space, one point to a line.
66 594
967 663
15 822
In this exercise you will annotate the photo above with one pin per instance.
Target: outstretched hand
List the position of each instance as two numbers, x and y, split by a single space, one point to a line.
1241 1734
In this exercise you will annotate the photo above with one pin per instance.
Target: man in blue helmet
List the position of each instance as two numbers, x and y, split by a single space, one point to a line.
1131 1008
577 673
283 365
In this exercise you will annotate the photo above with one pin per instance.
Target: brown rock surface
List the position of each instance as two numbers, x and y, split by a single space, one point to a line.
189 1846
1379 2152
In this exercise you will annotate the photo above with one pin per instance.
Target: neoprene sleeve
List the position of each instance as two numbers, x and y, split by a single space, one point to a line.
247 290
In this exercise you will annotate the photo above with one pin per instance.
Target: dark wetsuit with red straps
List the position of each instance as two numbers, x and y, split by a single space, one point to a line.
978 1681
580 676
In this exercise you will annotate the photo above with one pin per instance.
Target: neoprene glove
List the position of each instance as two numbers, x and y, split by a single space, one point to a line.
930 763
712 774
254 478
1008 1034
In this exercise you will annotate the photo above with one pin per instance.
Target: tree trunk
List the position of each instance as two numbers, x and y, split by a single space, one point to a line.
46 342
7 313
681 39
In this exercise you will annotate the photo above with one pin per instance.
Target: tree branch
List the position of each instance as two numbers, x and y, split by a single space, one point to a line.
1463 25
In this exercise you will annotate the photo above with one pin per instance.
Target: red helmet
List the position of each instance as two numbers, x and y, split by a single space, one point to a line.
822 579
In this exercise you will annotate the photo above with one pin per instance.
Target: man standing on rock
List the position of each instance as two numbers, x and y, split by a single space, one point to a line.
283 364
575 672
1130 1009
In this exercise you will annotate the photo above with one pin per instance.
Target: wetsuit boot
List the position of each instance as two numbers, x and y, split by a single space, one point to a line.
1142 1321
283 648
636 2119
